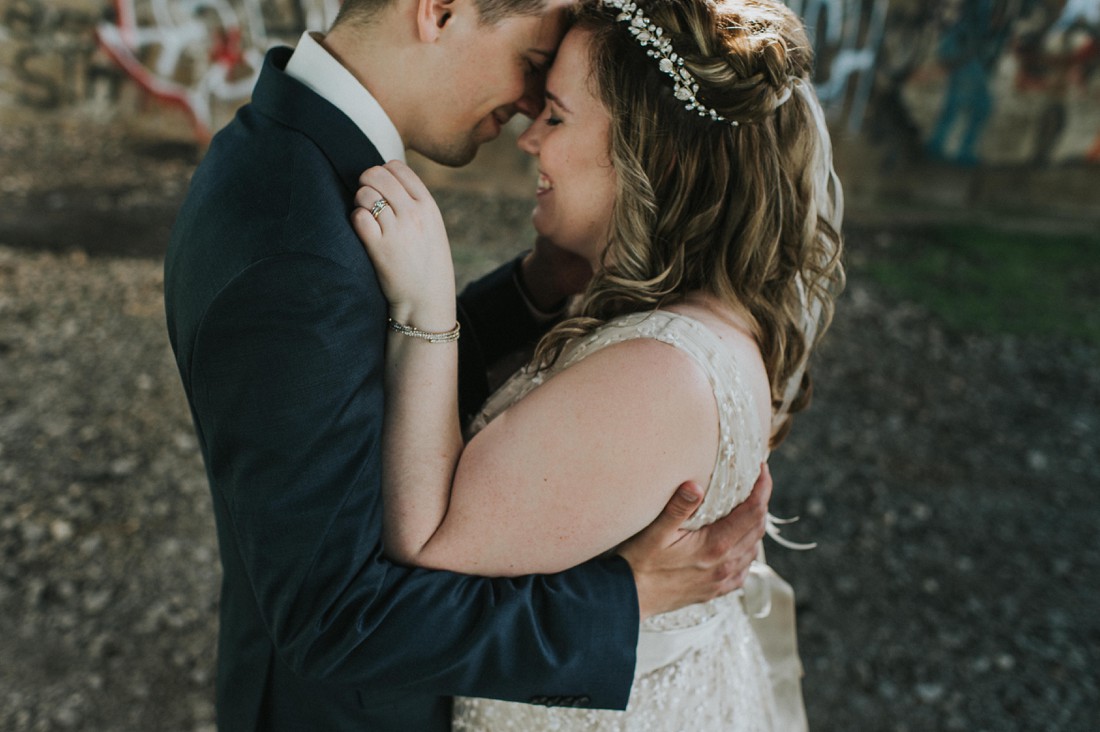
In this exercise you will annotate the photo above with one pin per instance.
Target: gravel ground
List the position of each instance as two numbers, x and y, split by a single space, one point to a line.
949 480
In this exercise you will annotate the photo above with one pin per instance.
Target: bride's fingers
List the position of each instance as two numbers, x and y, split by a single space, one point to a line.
366 226
382 210
367 196
364 191
364 218
410 180
389 186
379 202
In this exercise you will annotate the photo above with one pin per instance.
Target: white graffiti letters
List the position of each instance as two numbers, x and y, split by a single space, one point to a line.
199 53
846 35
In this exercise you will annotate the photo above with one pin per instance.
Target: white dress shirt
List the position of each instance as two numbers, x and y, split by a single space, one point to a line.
315 67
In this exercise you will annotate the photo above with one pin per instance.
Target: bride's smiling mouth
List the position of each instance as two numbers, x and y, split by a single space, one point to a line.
544 185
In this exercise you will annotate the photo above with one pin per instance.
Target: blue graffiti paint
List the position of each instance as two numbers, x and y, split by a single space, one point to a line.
969 48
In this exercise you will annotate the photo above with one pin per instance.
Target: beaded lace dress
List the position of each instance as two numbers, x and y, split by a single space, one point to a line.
701 667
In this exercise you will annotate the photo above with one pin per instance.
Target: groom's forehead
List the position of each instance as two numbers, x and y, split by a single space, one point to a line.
492 11
536 35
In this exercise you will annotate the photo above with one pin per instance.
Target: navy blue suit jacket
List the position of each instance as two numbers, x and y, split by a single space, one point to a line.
278 326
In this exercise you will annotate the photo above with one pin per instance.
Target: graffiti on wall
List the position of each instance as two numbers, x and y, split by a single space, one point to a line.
1058 65
198 53
1013 81
51 57
970 44
201 56
846 35
964 81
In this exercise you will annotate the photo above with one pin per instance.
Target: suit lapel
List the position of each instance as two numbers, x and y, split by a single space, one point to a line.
292 103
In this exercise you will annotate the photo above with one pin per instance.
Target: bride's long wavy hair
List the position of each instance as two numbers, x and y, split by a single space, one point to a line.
749 214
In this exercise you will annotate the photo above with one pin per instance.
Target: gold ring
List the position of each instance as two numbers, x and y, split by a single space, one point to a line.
378 207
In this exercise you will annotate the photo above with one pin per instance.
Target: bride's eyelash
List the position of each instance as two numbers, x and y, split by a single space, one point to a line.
553 121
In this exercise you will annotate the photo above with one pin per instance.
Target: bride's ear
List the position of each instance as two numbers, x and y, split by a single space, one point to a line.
432 16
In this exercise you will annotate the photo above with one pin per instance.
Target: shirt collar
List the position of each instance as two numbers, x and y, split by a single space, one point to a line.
315 67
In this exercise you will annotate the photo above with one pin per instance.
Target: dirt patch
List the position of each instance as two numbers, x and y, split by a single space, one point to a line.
949 480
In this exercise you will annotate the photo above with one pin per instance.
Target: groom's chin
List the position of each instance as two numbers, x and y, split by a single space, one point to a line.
455 156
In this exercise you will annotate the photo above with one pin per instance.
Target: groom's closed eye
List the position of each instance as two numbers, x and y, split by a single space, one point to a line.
538 69
537 65
538 61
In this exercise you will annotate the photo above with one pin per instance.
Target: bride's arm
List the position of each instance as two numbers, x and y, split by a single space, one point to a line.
581 464
421 437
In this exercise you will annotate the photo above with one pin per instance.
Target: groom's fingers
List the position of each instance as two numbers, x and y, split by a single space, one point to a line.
734 537
665 529
683 505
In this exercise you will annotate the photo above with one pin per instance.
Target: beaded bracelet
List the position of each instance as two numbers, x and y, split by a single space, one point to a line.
449 336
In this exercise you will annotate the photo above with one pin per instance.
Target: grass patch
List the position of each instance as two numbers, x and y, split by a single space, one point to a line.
981 280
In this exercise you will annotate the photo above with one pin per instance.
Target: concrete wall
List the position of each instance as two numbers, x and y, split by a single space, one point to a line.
985 84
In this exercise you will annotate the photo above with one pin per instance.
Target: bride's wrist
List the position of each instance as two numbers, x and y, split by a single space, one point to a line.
424 317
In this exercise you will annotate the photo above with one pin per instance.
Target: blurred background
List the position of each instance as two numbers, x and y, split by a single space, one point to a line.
948 468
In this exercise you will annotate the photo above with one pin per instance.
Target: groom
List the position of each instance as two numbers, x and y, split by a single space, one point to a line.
278 326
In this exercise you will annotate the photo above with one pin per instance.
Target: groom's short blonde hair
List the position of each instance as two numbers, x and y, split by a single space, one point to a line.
489 11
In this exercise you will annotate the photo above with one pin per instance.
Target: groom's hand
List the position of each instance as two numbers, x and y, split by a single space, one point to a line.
551 274
674 567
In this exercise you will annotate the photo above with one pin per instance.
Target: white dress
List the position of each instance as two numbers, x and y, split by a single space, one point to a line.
702 667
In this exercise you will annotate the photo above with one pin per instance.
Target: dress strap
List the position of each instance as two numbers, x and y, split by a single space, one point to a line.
741 445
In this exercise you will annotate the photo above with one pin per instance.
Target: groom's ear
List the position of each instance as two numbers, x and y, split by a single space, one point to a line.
432 16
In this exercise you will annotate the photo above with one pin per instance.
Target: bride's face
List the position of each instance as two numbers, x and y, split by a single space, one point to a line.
571 140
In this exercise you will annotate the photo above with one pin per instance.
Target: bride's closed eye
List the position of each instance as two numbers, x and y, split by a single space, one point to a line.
552 113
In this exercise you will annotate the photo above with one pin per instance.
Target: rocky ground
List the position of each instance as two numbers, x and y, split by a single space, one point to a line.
949 479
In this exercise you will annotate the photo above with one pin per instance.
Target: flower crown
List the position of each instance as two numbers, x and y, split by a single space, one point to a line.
650 36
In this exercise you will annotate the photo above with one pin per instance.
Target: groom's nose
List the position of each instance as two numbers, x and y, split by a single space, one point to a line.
534 96
529 106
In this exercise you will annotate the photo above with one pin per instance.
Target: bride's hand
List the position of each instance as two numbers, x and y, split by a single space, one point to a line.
407 242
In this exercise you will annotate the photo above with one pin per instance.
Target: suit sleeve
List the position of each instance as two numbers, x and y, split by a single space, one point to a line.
495 323
286 382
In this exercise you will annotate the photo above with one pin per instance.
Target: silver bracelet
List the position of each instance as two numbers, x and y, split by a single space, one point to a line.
449 336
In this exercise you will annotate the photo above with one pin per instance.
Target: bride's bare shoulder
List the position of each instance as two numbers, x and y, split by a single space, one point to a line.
732 327
736 335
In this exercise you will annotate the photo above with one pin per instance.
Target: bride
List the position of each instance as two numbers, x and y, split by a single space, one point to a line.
683 154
